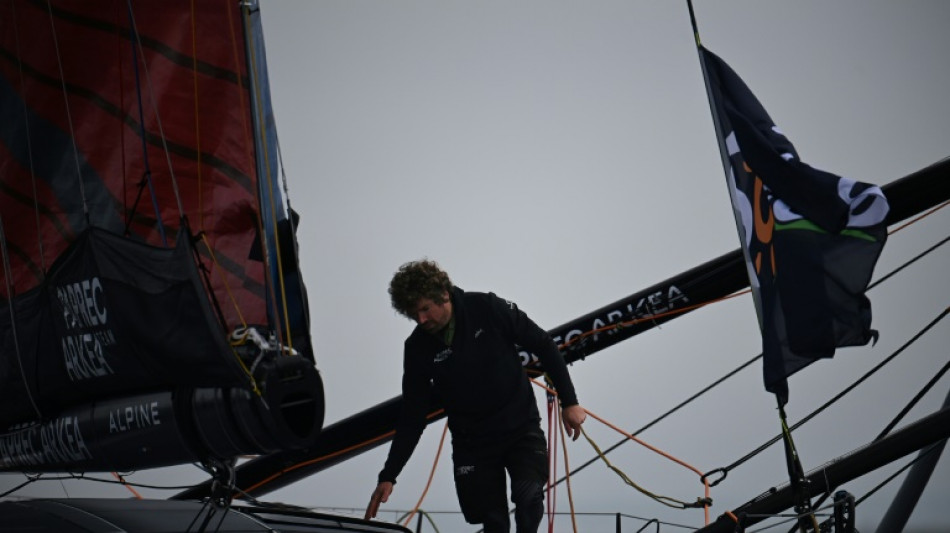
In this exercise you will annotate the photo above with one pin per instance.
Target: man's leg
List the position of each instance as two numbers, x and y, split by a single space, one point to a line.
480 485
527 463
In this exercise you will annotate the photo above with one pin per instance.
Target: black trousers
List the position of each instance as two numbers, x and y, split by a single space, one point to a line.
480 480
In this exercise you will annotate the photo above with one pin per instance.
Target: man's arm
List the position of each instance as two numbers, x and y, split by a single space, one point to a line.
531 337
416 393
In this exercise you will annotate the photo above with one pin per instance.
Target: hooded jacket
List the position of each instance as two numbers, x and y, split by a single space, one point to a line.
479 378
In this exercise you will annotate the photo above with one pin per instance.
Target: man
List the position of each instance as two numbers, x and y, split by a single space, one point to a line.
463 352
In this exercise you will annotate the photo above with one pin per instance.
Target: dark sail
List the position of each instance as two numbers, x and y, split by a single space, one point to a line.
152 309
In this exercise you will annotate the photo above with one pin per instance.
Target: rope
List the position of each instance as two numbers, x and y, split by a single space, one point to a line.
29 144
838 396
121 480
158 117
567 469
147 174
435 463
700 502
551 489
650 318
331 455
919 217
69 117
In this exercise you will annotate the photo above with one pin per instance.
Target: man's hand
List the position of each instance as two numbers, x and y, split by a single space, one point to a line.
573 416
380 495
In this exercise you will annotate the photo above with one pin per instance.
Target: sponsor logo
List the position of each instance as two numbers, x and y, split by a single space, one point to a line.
442 356
58 441
479 332
87 330
464 469
132 417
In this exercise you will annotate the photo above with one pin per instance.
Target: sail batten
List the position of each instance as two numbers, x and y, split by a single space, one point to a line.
137 274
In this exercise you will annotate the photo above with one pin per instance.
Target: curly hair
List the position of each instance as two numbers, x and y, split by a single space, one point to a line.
416 280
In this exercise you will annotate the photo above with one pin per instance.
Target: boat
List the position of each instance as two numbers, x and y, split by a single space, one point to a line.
361 426
153 308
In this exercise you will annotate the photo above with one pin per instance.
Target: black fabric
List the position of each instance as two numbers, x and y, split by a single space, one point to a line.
810 238
480 480
113 316
479 378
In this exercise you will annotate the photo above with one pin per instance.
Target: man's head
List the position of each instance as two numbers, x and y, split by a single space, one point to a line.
420 291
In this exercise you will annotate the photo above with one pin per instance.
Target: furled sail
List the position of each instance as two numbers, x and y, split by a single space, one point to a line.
152 310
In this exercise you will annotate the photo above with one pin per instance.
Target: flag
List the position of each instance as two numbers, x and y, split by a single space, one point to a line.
810 238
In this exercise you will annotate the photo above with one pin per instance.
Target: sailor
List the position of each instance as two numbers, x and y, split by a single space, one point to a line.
463 353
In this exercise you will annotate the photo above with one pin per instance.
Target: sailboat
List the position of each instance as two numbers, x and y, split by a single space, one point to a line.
153 309
326 445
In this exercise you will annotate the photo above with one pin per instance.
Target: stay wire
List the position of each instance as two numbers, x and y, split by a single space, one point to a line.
147 174
737 370
69 117
839 395
29 143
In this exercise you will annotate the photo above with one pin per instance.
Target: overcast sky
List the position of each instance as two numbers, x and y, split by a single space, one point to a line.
562 155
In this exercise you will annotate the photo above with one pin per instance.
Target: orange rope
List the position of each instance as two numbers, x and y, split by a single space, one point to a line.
567 476
661 452
431 475
919 217
650 318
642 443
126 485
327 456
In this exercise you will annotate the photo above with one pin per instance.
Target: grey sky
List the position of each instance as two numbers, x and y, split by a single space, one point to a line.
562 155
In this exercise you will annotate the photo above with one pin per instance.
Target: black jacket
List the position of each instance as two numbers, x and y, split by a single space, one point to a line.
479 379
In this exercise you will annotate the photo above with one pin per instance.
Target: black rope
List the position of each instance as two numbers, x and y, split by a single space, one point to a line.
661 417
907 264
910 405
842 393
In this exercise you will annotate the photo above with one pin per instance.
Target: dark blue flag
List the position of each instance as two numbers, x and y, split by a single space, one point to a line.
810 238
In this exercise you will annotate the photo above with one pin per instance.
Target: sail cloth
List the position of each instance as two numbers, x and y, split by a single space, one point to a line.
810 238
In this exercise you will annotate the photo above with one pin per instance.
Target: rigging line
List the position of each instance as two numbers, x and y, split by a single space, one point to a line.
919 217
259 110
158 117
721 380
704 502
879 486
930 449
8 277
425 491
331 455
194 79
147 175
649 318
908 263
645 445
69 117
665 500
842 393
121 480
29 141
670 412
910 405
567 471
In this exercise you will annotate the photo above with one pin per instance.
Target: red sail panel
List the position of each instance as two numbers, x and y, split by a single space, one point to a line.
79 92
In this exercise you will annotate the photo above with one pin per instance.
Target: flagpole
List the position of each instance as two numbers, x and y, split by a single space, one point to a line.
796 473
724 156
796 476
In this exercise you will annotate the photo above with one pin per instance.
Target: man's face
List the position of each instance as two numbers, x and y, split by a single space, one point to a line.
433 316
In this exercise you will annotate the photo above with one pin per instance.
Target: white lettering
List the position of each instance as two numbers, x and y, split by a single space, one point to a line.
134 417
